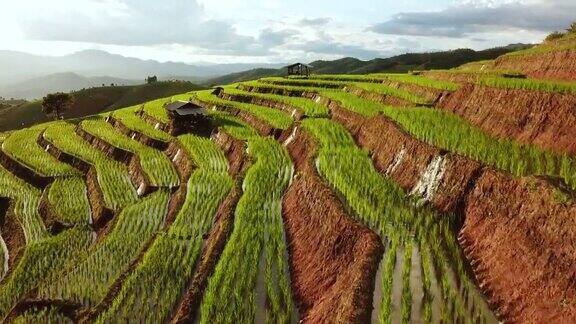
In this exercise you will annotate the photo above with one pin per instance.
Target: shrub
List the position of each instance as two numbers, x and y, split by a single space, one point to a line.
553 36
572 28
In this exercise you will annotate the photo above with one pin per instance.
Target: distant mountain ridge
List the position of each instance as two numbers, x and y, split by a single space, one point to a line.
59 82
17 67
400 63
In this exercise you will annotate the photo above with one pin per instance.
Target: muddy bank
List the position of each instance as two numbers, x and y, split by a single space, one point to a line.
558 65
333 259
517 233
520 235
101 215
187 309
532 117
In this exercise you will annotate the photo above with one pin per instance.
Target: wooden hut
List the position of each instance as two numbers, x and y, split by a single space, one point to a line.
299 69
187 117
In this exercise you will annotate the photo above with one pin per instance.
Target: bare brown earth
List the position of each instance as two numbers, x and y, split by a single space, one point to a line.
12 234
558 65
542 118
518 233
333 259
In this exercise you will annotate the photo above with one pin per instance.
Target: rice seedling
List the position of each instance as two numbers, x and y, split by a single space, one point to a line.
44 315
23 147
309 108
458 136
231 125
88 277
528 84
383 206
275 118
40 259
130 119
256 248
155 283
406 290
68 197
155 164
113 177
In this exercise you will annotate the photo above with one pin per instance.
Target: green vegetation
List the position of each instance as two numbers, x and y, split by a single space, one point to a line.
385 208
23 147
385 311
68 197
256 248
309 108
275 118
232 125
456 135
132 121
155 164
406 307
529 84
113 177
43 315
157 284
90 276
39 260
26 200
421 81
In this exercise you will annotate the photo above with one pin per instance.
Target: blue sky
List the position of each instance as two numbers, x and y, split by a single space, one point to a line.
272 31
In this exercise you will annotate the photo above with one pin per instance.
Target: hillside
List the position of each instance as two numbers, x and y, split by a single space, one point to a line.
397 64
443 196
93 101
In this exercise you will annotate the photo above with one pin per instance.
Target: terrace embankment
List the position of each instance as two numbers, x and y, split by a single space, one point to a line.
542 118
187 309
23 172
518 233
333 259
61 156
377 97
558 65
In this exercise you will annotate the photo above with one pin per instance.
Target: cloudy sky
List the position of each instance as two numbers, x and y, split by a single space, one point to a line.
273 31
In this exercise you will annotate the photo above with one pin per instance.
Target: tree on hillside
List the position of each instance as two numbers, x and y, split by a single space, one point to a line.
572 28
553 36
56 103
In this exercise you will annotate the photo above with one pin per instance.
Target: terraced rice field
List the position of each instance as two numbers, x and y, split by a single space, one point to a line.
335 198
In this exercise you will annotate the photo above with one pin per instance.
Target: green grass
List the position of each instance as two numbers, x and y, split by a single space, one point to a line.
275 118
68 198
266 87
22 146
529 84
131 120
89 277
309 108
385 311
168 265
383 77
42 315
256 245
113 177
406 304
458 136
155 164
568 42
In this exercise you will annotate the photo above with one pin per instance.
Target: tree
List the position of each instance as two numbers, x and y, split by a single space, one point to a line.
56 104
572 28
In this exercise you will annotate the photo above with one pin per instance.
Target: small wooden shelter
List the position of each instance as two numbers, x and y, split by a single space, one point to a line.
188 117
299 69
